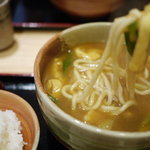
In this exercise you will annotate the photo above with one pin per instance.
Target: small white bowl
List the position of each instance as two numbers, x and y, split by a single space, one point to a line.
72 132
27 116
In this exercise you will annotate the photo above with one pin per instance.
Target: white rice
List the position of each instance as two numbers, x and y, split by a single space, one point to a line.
10 131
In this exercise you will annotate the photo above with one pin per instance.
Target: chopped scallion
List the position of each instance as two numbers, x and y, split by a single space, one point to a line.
131 37
53 99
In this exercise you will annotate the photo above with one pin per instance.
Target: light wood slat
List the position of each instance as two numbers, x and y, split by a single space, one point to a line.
19 58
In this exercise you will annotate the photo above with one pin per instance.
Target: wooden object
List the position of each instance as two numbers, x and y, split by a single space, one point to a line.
19 58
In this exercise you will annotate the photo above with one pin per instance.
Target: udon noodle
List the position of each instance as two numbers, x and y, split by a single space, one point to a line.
98 84
106 84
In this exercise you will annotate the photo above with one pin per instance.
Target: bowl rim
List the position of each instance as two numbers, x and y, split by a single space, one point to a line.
34 116
68 118
90 128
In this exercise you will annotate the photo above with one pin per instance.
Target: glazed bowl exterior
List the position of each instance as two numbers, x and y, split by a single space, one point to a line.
72 132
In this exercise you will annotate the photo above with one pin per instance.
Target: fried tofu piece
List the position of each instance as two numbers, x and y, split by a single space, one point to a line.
53 87
99 119
57 69
92 54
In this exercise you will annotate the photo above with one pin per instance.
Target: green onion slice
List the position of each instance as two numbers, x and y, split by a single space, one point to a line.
131 35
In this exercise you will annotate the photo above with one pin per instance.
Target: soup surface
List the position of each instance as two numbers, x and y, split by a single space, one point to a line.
62 83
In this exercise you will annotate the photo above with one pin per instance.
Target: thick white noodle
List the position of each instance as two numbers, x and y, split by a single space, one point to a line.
102 96
93 85
114 36
146 73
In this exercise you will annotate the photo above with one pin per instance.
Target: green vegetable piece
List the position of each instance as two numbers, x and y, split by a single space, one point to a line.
53 99
67 61
131 37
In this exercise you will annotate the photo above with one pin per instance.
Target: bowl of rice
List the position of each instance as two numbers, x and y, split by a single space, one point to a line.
19 126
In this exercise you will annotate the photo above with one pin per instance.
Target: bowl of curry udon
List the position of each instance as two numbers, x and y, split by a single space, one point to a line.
90 118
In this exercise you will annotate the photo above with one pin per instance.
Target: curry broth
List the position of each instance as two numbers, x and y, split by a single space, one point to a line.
135 118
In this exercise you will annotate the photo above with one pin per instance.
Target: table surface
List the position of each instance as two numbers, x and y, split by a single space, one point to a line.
16 62
19 58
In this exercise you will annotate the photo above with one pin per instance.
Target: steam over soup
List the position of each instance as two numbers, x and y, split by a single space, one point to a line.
69 72
106 85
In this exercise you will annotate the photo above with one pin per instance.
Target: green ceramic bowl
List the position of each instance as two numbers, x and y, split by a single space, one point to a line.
72 132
